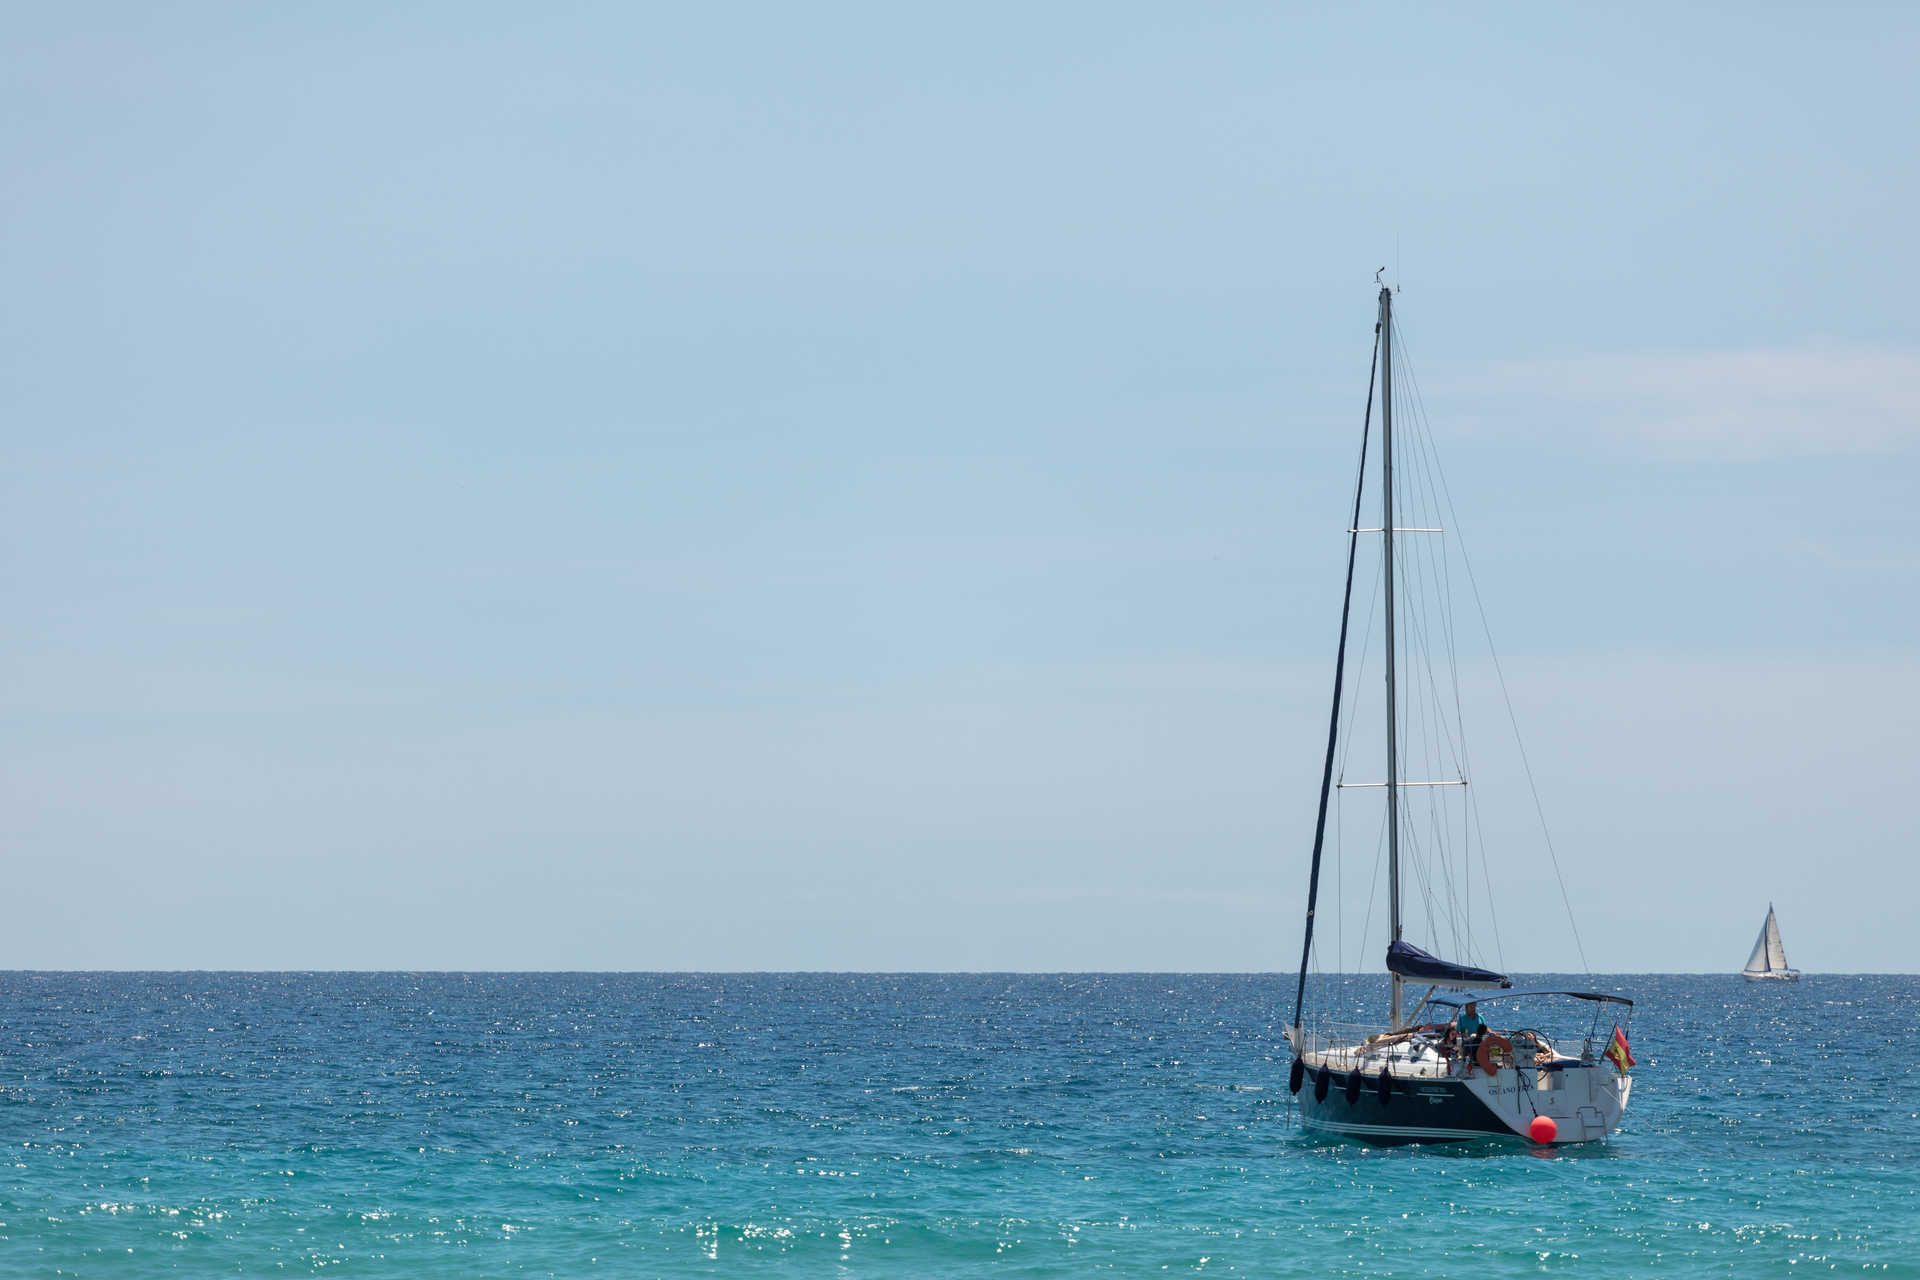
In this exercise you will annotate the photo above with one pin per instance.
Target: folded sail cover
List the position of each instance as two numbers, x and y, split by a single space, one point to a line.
1410 961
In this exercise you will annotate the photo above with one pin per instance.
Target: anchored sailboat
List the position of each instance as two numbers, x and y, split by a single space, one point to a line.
1437 1073
1768 963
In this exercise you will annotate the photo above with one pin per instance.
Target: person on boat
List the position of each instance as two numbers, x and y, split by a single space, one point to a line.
1544 1054
1467 1031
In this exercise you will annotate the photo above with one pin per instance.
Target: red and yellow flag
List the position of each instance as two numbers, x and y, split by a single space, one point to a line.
1618 1053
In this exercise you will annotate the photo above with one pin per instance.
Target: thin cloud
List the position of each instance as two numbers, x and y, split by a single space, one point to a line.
1809 402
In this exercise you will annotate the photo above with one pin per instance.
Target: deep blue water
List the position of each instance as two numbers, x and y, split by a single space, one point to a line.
859 1124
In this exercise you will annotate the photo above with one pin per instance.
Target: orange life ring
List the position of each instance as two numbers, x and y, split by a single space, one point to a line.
1488 1043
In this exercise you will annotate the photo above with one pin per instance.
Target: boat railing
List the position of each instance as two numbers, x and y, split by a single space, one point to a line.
1336 1037
1346 1042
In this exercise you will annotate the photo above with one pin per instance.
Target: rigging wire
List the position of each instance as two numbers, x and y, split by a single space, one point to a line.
1446 744
1373 884
1473 826
1506 697
1366 641
1437 577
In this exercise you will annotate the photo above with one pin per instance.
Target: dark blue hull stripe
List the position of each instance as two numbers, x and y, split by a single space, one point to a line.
1417 1111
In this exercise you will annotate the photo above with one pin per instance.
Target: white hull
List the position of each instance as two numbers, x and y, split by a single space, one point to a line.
1428 1102
1778 975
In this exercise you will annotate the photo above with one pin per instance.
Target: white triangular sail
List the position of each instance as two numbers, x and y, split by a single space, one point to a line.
1757 962
1768 955
1776 954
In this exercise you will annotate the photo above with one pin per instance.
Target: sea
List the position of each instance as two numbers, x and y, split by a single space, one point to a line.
636 1124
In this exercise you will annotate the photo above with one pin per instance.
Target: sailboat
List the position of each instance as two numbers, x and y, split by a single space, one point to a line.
1436 1070
1768 963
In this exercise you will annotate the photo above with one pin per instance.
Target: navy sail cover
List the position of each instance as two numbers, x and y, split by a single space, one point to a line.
1410 961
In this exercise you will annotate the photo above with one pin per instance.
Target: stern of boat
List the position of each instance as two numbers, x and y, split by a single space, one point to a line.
1585 1101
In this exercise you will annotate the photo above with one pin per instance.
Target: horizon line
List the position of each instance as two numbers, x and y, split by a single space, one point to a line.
1010 973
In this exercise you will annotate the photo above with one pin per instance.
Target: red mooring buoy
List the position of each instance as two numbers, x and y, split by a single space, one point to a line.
1543 1128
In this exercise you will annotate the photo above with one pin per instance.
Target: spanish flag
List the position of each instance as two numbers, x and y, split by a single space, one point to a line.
1618 1053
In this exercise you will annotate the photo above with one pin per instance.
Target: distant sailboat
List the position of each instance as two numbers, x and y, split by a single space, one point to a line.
1768 963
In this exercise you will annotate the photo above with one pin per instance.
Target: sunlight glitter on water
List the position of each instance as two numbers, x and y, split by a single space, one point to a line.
943 1125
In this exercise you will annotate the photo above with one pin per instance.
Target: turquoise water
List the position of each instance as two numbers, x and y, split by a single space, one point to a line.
663 1124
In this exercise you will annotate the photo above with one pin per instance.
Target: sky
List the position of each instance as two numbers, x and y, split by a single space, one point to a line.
853 487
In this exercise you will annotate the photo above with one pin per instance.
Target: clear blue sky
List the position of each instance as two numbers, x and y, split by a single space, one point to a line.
860 487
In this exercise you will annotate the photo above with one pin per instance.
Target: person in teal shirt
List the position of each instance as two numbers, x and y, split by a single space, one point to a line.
1468 1023
1467 1030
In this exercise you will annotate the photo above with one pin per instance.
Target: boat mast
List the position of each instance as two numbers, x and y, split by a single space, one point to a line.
1386 532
